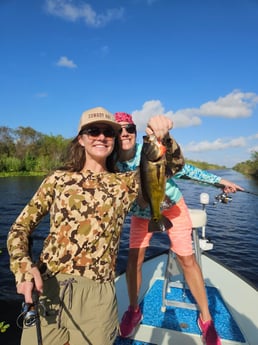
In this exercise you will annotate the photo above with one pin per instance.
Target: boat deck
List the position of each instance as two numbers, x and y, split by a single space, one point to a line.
177 325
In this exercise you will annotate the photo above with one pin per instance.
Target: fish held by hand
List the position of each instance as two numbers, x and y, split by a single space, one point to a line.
153 181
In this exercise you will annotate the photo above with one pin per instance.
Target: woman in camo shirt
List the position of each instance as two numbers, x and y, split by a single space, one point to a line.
87 202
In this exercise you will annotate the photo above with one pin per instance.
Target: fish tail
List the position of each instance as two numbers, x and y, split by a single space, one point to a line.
159 225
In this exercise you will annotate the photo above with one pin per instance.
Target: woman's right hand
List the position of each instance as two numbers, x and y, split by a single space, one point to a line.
159 125
25 288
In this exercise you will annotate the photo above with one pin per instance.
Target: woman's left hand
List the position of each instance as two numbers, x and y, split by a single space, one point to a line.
230 187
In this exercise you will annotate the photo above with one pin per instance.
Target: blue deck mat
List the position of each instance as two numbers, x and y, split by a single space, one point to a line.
184 320
123 341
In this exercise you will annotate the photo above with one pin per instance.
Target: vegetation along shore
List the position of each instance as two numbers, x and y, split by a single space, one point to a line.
24 151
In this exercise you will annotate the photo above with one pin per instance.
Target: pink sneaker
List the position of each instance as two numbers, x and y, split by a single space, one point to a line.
130 321
209 333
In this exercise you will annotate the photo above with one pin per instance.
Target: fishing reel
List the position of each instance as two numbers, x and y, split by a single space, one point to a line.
30 314
223 198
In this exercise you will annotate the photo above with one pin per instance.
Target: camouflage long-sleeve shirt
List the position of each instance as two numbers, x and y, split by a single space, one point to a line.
87 211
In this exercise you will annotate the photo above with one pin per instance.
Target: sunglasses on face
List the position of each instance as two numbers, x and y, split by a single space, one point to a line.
108 132
130 128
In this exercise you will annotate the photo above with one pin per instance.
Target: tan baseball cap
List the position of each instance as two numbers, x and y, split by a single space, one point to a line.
98 115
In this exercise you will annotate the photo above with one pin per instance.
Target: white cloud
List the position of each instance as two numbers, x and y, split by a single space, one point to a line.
66 9
236 104
233 105
182 118
219 151
253 149
217 144
65 62
185 118
149 109
254 136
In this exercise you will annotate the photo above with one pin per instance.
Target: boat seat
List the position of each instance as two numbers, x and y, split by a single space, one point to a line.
199 220
198 217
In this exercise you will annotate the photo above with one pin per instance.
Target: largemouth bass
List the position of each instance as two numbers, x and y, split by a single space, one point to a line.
153 181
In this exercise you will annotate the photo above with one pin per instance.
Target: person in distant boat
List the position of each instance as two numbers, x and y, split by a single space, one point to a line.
87 201
179 234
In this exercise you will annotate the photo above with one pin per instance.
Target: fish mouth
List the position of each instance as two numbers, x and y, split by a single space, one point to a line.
153 148
162 149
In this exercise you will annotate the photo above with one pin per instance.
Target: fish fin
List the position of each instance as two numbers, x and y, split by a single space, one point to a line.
160 225
168 171
166 203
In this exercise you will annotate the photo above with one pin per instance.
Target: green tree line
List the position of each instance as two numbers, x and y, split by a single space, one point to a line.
249 167
28 151
24 150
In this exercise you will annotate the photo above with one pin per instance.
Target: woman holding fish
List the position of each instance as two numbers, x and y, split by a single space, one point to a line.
87 201
130 158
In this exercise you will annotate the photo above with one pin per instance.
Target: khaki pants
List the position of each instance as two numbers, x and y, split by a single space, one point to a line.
88 313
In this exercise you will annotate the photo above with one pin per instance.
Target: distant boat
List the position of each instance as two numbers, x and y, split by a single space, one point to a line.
169 311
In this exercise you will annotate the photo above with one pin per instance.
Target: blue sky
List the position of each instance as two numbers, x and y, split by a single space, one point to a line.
195 61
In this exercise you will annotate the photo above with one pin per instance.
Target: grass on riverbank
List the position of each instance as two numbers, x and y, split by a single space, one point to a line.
201 165
23 173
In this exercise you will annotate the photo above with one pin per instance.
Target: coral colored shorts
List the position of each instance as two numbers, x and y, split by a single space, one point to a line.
180 233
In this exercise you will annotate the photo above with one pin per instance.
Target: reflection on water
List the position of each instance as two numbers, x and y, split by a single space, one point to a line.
232 227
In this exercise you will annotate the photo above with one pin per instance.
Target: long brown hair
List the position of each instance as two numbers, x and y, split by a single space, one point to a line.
76 157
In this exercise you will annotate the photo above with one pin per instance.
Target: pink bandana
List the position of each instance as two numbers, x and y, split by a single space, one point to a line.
123 117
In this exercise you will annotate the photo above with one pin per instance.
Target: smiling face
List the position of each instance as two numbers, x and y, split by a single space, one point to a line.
98 141
127 136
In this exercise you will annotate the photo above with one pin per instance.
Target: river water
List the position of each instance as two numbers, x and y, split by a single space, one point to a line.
232 227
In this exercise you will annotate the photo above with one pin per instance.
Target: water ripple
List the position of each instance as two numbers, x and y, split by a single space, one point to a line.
232 227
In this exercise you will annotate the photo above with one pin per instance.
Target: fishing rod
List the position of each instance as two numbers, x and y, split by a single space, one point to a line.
35 299
35 302
30 311
217 185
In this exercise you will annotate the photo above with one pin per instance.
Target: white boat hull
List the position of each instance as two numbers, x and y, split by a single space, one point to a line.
240 298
